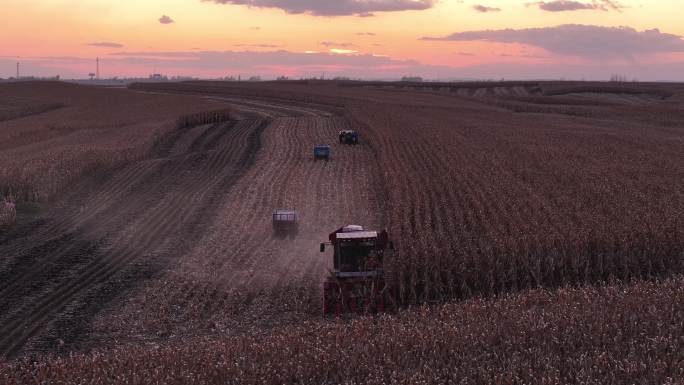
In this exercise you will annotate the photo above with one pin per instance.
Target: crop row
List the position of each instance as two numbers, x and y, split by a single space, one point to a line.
18 112
8 212
591 336
206 117
485 202
43 177
76 133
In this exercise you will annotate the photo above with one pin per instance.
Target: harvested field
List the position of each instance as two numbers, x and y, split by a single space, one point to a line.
242 276
553 210
126 226
178 220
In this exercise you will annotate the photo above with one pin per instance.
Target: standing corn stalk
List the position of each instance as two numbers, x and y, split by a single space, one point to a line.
8 212
206 117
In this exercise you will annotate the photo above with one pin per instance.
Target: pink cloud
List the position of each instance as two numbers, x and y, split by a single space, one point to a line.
485 9
166 20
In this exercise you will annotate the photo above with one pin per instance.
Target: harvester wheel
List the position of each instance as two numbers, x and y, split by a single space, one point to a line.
353 308
381 304
326 305
332 303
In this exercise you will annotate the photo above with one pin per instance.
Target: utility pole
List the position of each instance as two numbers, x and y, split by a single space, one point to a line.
17 70
97 68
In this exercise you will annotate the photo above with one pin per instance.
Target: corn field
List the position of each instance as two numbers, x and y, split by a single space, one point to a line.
479 207
206 117
8 212
49 142
538 235
609 335
14 112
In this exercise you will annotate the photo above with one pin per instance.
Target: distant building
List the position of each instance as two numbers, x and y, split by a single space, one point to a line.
35 78
411 79
618 78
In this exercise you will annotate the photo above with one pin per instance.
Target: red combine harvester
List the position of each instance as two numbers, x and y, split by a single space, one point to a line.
357 282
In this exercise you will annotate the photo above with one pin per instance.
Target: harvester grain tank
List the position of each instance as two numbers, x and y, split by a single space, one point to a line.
357 282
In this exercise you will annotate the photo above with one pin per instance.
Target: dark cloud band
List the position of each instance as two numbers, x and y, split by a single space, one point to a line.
580 40
334 7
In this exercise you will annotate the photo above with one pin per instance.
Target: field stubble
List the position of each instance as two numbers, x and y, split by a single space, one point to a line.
243 277
481 199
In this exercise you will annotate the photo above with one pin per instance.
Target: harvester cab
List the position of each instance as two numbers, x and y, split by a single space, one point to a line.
349 137
356 283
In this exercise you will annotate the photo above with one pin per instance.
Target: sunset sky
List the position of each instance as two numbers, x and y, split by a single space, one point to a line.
372 39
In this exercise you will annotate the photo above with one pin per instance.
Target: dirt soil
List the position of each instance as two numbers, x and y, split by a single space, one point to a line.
181 242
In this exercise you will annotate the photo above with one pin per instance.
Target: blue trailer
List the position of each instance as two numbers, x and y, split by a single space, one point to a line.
322 151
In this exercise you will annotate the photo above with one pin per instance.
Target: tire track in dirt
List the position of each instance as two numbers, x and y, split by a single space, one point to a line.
243 274
256 267
161 221
103 197
164 210
100 209
102 213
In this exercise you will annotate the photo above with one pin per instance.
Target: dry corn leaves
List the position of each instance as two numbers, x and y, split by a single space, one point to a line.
63 131
480 201
614 334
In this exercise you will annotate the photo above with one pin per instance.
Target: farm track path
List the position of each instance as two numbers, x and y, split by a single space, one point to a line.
243 276
111 234
141 215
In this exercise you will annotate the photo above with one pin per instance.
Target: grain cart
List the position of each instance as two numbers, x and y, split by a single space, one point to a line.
285 222
322 151
357 282
349 137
